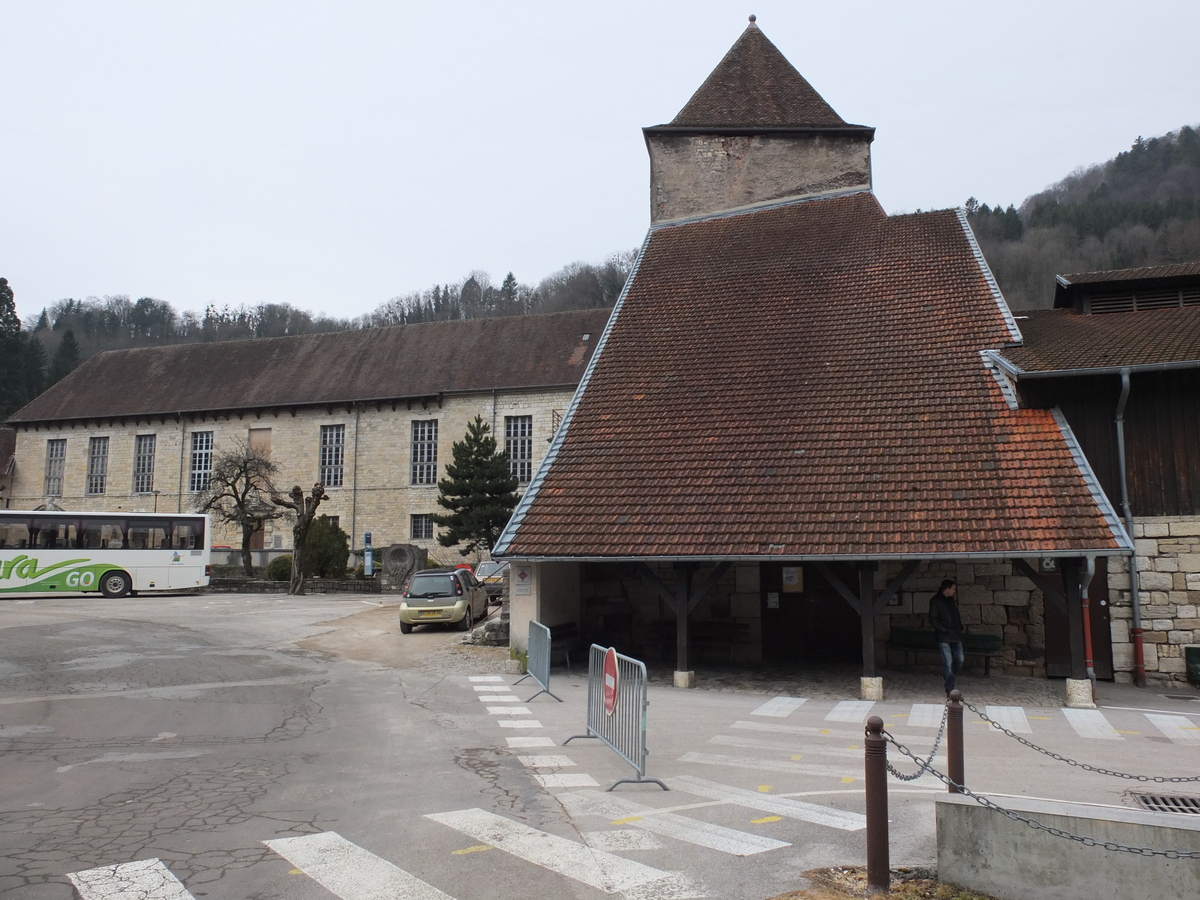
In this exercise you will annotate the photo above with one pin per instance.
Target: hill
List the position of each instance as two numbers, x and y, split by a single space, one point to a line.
1140 208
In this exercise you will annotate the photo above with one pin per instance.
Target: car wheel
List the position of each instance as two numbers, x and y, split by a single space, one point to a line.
465 623
405 628
115 584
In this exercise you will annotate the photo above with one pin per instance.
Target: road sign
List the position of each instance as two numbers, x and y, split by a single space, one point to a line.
610 681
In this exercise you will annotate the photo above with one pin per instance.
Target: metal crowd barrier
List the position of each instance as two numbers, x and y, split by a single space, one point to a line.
623 728
537 664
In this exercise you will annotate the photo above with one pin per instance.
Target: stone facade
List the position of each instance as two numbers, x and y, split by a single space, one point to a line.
696 174
1168 566
375 494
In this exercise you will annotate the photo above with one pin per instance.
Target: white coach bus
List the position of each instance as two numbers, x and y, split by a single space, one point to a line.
114 553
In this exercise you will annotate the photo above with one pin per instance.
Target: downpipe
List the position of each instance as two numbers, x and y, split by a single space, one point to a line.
1135 600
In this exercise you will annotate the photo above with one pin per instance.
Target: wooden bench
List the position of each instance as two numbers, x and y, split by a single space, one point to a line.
564 637
974 644
722 634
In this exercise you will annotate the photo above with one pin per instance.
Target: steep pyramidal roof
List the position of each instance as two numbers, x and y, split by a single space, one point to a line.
754 86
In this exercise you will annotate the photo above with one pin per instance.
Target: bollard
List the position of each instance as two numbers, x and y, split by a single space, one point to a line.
875 765
954 741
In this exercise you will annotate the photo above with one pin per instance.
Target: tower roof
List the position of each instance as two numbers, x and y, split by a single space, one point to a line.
754 86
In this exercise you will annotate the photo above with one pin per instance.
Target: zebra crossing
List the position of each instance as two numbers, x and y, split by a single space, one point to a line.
792 736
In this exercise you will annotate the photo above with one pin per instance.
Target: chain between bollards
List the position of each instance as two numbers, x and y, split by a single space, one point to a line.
955 765
875 771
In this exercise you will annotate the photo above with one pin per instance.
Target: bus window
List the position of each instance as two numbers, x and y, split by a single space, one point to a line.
189 535
51 534
14 534
144 535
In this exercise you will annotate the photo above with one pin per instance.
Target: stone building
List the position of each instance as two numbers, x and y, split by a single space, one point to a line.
795 424
371 414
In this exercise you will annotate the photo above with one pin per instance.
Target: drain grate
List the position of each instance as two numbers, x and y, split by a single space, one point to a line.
1169 803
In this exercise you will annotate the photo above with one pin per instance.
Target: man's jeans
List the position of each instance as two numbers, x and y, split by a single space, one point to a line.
952 662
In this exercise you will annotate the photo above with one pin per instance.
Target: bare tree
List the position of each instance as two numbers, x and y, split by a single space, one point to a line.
305 509
242 480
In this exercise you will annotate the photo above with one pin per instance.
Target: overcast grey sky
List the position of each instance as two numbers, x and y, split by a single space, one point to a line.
334 155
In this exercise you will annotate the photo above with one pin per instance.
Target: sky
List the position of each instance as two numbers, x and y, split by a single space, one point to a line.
333 156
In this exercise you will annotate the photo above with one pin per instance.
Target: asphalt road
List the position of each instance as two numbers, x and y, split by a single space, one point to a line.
263 747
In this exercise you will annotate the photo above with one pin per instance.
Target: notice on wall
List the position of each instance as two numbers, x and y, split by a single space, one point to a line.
522 578
793 580
772 600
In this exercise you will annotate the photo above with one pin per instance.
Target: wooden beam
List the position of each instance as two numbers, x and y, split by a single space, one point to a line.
896 584
683 587
707 585
1043 584
866 597
838 585
651 577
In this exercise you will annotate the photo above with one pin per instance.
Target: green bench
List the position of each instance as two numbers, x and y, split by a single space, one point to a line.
974 644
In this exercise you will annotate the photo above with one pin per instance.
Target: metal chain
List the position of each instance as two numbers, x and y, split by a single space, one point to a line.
924 763
1033 823
1157 779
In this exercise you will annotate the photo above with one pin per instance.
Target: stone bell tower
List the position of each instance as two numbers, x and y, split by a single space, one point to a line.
753 133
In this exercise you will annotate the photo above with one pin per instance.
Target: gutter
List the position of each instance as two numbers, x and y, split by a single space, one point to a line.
1139 657
1019 373
807 558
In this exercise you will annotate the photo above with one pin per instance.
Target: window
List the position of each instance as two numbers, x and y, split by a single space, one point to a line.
202 460
333 453
518 444
97 470
424 452
56 458
422 527
143 463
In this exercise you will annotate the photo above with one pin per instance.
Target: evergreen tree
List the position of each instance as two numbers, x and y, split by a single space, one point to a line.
35 368
479 492
66 358
327 550
12 376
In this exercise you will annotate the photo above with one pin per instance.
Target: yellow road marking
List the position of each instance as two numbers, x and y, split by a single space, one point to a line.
626 820
296 872
847 780
853 747
764 820
1047 718
766 788
797 756
476 849
825 731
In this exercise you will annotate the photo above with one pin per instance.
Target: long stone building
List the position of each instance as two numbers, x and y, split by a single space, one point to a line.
370 414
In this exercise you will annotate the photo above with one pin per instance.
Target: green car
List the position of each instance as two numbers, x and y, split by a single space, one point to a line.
440 596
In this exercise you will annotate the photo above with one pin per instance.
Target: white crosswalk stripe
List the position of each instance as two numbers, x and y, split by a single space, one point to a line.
508 710
845 773
850 711
779 707
479 678
1090 723
926 715
147 879
546 762
350 872
519 723
566 780
1011 717
597 869
492 689
692 831
499 698
780 806
1178 728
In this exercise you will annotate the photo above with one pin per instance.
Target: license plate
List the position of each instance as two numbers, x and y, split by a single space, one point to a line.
430 614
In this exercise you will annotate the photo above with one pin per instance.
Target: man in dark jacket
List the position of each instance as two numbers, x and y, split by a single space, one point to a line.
947 631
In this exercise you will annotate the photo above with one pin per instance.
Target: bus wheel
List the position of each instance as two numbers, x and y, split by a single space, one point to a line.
115 584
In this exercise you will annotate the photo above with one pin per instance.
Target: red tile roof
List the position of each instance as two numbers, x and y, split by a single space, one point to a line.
1169 271
805 381
1058 340
755 86
380 363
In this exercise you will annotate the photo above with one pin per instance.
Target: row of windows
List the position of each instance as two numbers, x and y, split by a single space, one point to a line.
518 443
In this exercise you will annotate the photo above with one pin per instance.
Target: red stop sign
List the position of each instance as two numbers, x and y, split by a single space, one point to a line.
609 675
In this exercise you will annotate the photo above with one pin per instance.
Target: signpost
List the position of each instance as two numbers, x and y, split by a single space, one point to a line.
368 556
610 681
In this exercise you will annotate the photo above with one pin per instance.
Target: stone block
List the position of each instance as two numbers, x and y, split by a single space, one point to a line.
1119 629
1186 527
1162 624
1185 611
994 615
1018 583
1156 530
971 615
1178 598
1166 564
1019 615
1145 547
1123 677
1139 530
1118 581
1157 611
1179 638
1019 671
1144 563
973 593
1121 612
1189 562
1169 651
1154 637
1156 581
1122 656
1192 582
1011 598
1173 665
1150 655
1187 624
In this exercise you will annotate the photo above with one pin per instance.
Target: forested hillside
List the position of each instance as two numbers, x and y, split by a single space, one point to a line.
1141 208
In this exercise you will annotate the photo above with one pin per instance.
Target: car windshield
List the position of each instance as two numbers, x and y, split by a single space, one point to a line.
425 586
489 568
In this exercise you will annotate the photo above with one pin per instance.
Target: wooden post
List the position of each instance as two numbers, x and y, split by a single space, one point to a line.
866 611
875 772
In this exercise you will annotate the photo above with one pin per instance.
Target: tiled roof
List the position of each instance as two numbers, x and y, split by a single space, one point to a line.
1062 340
1145 272
805 381
517 352
754 86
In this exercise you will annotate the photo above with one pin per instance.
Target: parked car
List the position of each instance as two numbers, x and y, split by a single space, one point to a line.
491 575
448 597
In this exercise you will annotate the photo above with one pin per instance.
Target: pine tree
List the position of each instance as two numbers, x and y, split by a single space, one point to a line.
12 378
480 492
66 358
35 368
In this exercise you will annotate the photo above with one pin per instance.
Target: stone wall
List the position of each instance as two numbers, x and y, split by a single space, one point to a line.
377 497
1168 566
